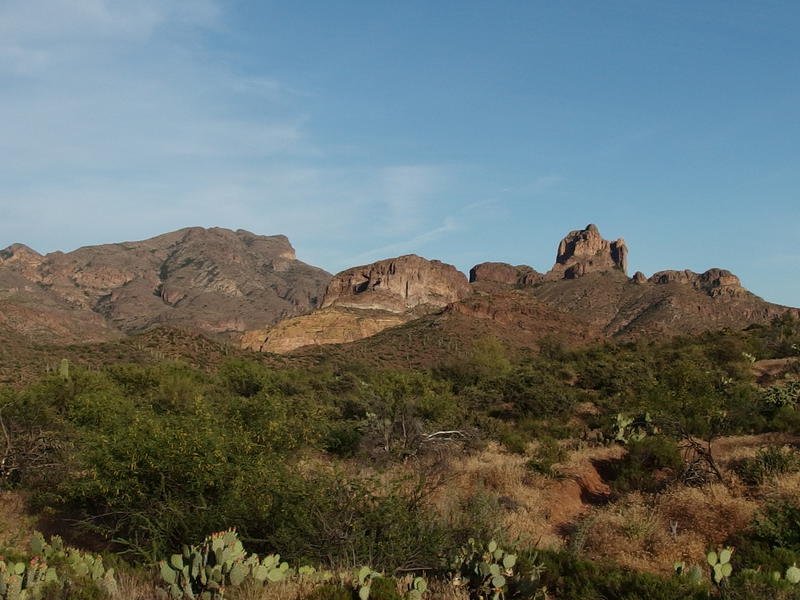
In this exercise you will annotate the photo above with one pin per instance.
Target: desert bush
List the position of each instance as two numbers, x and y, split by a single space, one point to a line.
650 464
768 462
343 438
328 518
546 456
384 588
331 592
568 576
779 525
751 584
513 440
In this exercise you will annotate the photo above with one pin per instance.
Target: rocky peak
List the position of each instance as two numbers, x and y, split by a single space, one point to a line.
21 259
19 252
397 285
584 251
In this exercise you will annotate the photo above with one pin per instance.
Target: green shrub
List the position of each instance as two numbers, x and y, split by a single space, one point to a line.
82 590
512 440
648 466
768 462
568 576
384 588
343 438
548 454
345 521
779 525
760 584
330 592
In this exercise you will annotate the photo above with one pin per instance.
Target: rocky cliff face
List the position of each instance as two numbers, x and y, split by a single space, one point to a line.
585 251
398 285
363 300
213 280
582 251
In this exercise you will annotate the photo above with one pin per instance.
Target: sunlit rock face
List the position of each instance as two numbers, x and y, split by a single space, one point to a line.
585 251
398 285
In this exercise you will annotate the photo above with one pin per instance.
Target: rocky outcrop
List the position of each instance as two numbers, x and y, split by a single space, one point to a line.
499 272
714 282
585 251
399 285
216 281
581 252
588 280
362 301
333 325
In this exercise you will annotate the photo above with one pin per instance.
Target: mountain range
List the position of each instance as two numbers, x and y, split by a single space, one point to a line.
253 291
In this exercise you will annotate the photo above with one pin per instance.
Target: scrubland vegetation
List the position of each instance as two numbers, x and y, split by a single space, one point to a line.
605 472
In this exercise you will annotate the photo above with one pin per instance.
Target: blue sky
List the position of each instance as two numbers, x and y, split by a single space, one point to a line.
463 131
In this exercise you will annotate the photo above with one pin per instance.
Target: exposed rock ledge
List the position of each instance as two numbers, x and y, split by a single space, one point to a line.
333 325
362 301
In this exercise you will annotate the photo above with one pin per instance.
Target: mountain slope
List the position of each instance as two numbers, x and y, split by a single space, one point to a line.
216 281
588 280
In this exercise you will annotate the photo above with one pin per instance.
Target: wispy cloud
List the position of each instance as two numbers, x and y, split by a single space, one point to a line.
408 246
114 130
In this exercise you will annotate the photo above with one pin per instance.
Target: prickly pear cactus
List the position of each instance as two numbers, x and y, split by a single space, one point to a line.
633 429
720 563
483 571
363 581
793 575
79 565
205 571
417 589
21 581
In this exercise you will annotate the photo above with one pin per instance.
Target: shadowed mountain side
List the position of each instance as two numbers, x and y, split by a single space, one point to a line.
619 306
515 318
215 280
55 323
588 280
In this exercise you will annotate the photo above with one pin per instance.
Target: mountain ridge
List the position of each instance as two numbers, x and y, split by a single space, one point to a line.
252 289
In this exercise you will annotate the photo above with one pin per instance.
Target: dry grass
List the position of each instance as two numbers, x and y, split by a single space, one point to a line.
16 526
651 533
285 590
730 450
298 590
137 586
534 510
503 479
785 487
